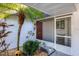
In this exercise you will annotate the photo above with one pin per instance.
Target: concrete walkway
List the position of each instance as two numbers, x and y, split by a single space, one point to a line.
57 53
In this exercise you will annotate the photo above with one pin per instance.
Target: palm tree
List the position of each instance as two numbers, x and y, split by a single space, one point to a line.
22 12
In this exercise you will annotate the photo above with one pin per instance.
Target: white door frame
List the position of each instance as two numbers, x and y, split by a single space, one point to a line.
55 35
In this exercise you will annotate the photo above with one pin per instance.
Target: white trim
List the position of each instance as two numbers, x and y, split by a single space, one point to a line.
55 33
63 36
63 17
71 26
55 16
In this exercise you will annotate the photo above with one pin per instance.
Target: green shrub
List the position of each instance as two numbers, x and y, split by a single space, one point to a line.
30 47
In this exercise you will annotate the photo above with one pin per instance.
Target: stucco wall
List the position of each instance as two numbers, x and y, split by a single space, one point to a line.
75 32
12 37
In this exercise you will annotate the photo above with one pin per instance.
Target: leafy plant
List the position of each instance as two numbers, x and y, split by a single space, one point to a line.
3 33
30 47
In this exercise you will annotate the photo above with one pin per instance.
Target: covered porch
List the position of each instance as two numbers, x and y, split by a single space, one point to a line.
58 29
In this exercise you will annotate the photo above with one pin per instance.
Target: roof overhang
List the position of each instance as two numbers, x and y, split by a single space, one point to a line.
53 8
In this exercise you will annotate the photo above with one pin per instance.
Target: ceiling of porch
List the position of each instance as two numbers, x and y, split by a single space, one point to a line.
53 8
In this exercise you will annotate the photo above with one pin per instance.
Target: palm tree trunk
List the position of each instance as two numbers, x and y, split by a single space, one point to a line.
19 30
21 21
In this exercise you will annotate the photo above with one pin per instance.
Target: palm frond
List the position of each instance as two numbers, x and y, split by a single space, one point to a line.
4 15
29 12
33 14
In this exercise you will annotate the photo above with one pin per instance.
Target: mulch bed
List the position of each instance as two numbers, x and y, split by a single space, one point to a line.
12 53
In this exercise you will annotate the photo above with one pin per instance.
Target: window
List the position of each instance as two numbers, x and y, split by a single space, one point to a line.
60 24
63 31
63 41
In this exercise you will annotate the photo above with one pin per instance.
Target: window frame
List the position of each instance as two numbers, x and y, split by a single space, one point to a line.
65 36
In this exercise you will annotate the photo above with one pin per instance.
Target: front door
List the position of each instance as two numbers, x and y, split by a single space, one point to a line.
39 30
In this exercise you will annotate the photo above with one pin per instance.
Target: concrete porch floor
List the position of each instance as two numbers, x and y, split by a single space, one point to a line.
57 53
